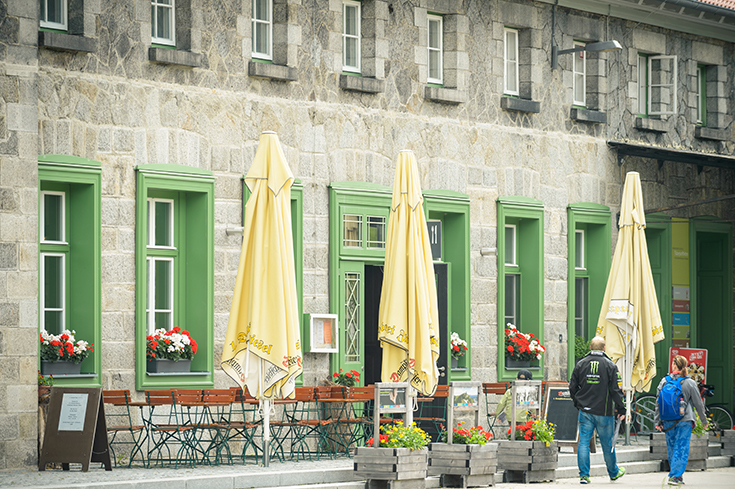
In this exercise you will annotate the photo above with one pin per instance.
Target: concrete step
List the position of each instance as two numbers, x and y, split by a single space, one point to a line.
637 454
601 470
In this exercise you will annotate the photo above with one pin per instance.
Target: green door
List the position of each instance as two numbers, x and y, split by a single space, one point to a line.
659 254
352 298
714 308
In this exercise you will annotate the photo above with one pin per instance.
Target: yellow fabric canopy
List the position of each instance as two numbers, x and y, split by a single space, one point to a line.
263 344
408 316
630 320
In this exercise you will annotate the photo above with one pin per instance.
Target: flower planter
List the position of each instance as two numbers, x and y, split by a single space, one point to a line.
391 468
528 461
164 366
510 363
60 368
698 446
463 465
455 363
727 442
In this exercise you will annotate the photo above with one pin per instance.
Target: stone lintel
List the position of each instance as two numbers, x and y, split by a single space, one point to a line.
653 125
59 41
273 71
445 95
519 104
361 84
702 132
586 115
174 57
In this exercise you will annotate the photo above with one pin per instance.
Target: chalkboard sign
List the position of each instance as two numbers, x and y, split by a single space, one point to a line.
560 410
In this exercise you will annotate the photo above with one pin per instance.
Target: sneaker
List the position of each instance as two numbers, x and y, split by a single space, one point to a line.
675 481
621 473
584 480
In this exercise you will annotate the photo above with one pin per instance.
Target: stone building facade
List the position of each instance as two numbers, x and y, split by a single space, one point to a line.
103 97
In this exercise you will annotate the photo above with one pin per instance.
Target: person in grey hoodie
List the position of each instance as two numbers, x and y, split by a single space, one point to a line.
678 433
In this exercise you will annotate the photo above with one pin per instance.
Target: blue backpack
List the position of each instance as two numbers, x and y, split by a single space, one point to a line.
670 398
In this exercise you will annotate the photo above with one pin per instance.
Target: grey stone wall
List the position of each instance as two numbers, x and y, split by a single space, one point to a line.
115 106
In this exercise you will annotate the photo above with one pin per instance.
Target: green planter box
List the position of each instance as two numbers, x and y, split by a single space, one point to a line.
463 465
381 466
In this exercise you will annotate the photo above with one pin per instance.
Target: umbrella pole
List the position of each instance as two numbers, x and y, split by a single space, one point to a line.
628 399
266 432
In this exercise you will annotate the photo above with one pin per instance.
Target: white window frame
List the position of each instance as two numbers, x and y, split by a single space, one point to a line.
42 298
150 306
358 17
577 73
511 256
62 224
152 224
155 5
430 18
642 84
699 94
507 62
268 55
63 25
579 250
672 85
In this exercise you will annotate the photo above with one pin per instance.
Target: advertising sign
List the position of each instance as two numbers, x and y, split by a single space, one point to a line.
696 362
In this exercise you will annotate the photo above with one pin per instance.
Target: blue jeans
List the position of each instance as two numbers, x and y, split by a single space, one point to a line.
677 444
605 426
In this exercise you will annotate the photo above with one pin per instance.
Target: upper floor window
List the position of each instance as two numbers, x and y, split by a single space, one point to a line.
54 14
435 49
53 261
657 76
510 85
701 95
162 22
579 258
510 245
351 36
262 29
579 82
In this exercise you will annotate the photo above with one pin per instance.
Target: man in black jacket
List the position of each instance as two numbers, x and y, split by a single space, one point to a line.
596 393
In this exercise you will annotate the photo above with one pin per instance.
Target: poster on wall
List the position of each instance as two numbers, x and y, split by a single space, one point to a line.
696 362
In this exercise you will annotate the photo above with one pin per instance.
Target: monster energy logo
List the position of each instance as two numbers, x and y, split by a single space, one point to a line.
594 367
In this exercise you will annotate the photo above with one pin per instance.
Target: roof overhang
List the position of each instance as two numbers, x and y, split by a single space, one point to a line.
670 154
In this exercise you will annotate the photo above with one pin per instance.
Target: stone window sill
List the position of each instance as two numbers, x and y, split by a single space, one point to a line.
361 84
59 41
272 71
174 57
653 125
586 115
520 105
702 132
445 95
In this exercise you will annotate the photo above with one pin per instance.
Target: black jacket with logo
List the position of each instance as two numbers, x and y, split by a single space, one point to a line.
594 386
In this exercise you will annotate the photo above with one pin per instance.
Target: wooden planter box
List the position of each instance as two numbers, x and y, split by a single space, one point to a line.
464 465
697 451
727 440
391 468
528 461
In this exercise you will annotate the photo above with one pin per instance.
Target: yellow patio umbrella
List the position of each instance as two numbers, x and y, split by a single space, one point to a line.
263 345
408 317
630 320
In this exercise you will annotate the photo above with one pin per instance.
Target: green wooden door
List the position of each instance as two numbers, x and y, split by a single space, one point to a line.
659 254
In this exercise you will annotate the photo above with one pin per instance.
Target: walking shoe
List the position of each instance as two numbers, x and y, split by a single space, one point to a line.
676 481
621 473
584 480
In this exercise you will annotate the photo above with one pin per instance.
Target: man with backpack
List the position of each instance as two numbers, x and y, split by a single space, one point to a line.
596 392
677 396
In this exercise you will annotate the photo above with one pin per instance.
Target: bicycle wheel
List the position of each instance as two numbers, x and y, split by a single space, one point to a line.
719 419
642 412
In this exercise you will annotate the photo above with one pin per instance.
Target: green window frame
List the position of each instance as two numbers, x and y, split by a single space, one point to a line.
75 241
589 268
190 192
527 274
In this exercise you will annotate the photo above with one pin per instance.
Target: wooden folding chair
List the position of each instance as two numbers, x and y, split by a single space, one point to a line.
493 391
169 430
432 417
121 429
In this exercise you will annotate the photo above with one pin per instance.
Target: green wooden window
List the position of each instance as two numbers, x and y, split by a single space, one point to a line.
175 266
520 281
69 255
589 266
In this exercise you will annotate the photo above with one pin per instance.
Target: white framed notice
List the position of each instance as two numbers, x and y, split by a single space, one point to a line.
73 411
323 329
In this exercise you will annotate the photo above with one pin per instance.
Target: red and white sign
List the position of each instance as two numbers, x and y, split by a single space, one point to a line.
696 362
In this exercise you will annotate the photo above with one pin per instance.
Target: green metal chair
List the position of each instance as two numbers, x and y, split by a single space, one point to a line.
121 429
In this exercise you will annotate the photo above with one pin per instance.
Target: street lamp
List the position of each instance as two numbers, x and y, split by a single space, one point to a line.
595 47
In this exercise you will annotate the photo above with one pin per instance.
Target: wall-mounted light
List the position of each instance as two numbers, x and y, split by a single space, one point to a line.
594 47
